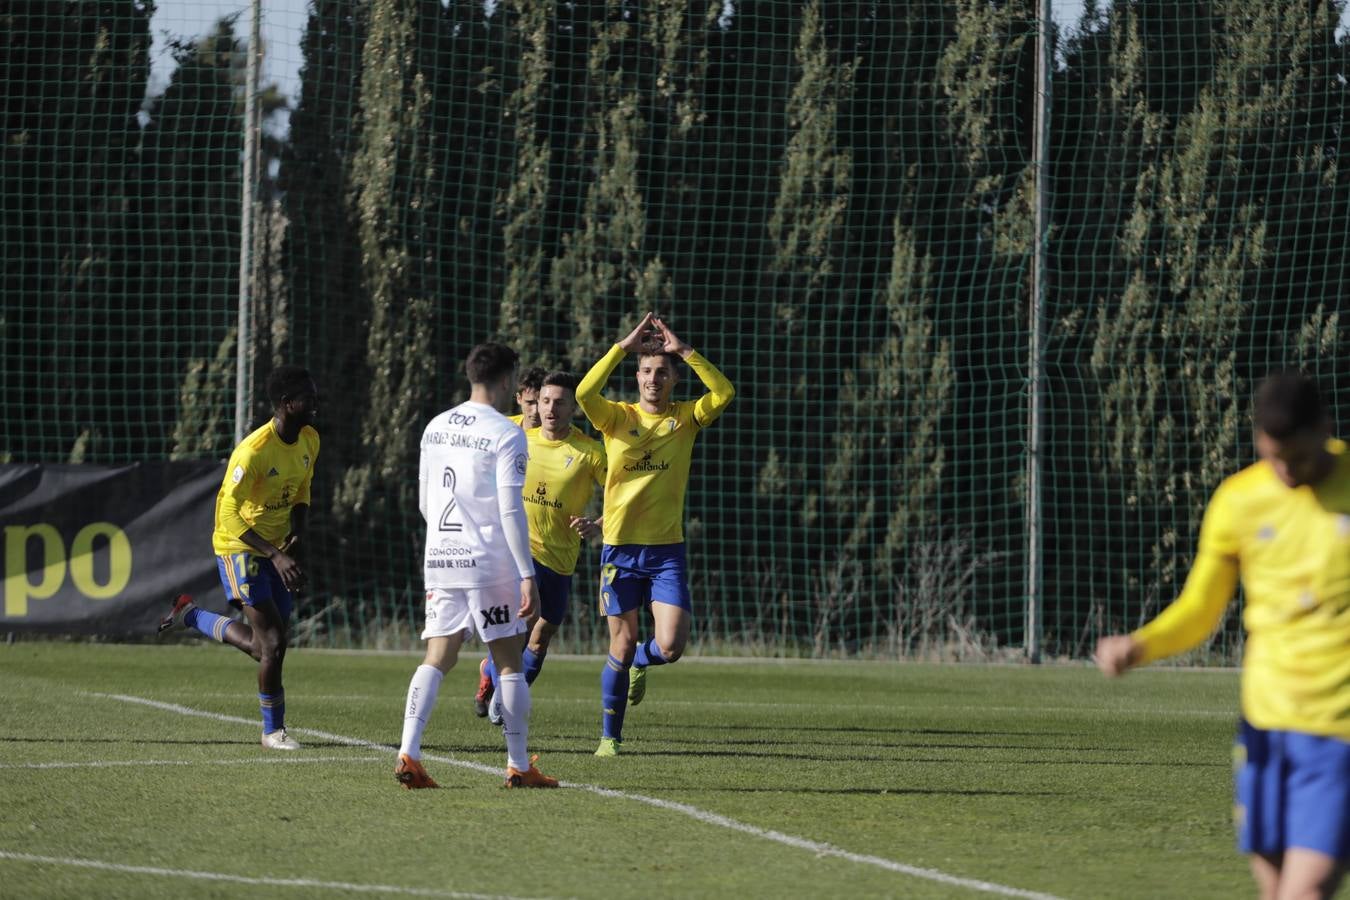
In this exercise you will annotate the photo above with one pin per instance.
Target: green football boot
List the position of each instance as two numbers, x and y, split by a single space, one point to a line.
637 685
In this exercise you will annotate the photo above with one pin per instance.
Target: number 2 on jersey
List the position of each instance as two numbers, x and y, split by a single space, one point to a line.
448 481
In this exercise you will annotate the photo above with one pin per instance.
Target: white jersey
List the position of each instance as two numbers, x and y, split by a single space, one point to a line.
469 454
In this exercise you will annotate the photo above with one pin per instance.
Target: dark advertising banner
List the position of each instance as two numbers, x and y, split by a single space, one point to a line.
103 549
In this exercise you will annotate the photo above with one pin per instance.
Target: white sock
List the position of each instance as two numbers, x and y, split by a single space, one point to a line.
426 681
515 694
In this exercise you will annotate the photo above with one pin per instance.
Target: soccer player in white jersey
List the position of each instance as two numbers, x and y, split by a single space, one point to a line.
476 565
565 467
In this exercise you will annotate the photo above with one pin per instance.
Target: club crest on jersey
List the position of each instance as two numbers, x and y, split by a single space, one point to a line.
540 497
521 461
1266 533
272 472
304 460
237 475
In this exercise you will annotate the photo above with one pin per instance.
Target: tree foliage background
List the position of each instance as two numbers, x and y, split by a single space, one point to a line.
832 201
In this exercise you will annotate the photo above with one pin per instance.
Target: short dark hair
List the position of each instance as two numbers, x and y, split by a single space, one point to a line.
532 379
653 348
567 380
285 382
1287 403
488 362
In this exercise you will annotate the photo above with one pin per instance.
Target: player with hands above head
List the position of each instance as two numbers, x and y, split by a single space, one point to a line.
649 446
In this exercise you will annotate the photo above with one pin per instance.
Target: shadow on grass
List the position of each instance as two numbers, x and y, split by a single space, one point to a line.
644 749
895 745
867 729
680 729
884 792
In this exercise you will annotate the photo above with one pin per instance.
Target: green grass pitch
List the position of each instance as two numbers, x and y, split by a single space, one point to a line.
134 771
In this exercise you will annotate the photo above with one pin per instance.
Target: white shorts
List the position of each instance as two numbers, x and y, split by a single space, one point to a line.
489 610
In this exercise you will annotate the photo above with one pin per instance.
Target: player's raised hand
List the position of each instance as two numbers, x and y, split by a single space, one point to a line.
633 343
669 342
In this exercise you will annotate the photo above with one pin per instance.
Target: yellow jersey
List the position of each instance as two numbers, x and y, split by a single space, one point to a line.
1291 549
559 481
649 455
518 418
265 478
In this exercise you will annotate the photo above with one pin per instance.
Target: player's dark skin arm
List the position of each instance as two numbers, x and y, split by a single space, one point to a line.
285 564
290 419
264 638
299 522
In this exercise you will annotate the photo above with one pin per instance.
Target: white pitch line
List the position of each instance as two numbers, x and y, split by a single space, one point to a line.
693 812
244 879
119 763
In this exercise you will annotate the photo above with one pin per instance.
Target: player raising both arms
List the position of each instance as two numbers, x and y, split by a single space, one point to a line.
476 560
260 518
565 466
1282 526
649 445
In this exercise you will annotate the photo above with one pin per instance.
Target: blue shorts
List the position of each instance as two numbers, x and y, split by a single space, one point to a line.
250 579
1291 790
632 574
554 592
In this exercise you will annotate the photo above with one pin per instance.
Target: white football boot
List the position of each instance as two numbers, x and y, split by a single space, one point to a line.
280 740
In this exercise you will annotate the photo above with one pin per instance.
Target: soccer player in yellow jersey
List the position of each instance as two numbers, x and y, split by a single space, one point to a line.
260 518
527 398
1282 526
649 445
564 468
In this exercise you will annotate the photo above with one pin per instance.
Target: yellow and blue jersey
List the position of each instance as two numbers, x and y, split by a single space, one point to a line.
1291 549
559 481
649 455
265 478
